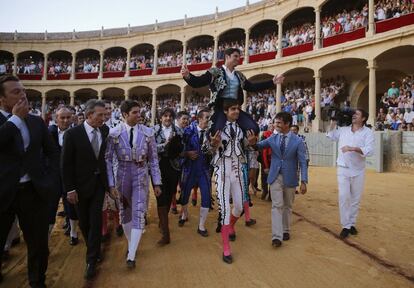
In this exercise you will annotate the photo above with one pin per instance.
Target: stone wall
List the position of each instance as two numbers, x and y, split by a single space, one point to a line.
394 160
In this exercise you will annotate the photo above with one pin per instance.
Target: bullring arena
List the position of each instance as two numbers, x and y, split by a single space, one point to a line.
326 68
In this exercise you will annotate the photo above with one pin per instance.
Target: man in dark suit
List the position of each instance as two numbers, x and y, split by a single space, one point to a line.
64 116
84 177
227 83
24 191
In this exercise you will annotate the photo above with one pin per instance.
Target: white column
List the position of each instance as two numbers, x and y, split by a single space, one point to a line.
185 52
100 95
154 71
127 94
215 51
43 105
72 74
316 123
371 20
153 106
15 65
279 39
246 47
72 98
101 56
45 67
182 100
278 98
372 98
318 28
127 62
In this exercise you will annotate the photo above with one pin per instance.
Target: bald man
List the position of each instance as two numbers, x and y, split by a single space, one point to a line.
64 120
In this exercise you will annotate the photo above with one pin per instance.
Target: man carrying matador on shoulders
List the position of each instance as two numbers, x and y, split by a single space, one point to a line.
227 83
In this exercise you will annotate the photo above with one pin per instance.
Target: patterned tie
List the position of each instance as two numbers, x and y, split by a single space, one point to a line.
9 116
232 131
95 143
131 137
283 144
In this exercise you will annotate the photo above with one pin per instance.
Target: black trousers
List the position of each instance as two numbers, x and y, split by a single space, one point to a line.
89 210
54 204
32 211
170 178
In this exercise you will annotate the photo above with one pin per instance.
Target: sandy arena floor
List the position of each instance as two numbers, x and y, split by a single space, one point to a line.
381 255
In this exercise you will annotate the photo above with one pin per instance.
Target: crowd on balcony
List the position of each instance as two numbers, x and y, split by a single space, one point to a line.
87 65
396 106
114 64
387 9
345 21
299 35
6 66
223 46
170 59
29 66
263 44
56 67
201 55
139 62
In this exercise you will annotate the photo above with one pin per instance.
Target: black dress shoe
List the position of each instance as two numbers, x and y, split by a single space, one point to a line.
119 231
353 230
344 233
228 259
99 259
90 271
130 264
286 236
251 222
276 243
181 222
74 241
203 233
194 202
232 237
174 211
218 228
66 225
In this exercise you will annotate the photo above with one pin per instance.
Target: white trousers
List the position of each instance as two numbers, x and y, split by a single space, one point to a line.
229 181
350 192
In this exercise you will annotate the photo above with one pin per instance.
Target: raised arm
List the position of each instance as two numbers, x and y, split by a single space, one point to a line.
195 81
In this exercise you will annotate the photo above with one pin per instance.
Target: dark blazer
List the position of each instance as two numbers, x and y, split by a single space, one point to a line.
216 79
79 164
14 160
53 130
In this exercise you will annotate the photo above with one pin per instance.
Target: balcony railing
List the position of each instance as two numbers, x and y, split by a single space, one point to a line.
344 37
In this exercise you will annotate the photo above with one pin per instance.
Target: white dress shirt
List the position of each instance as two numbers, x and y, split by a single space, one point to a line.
230 74
61 134
167 131
353 161
24 131
89 131
135 133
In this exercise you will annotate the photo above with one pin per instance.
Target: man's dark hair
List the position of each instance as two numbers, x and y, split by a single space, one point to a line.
92 104
227 103
285 117
295 126
230 51
168 110
81 114
200 113
4 79
364 115
127 105
182 113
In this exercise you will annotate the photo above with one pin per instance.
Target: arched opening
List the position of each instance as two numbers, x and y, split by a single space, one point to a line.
263 41
6 62
233 38
30 65
394 87
142 60
298 31
87 64
59 65
168 96
196 99
113 94
114 63
170 57
84 94
200 50
343 21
